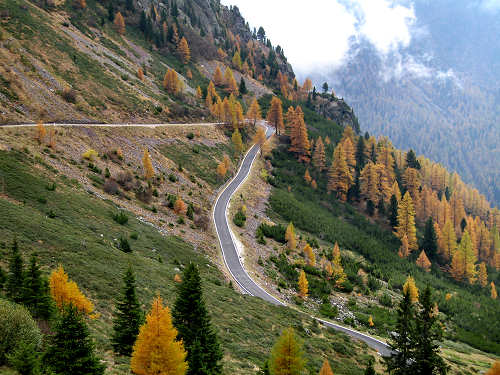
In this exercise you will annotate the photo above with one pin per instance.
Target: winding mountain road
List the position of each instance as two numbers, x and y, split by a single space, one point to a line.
233 261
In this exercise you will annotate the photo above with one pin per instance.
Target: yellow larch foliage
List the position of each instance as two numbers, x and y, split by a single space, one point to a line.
65 292
329 270
290 237
211 90
177 278
447 241
287 356
404 250
199 93
303 284
423 261
307 176
311 258
52 138
140 74
221 170
237 142
90 154
327 140
172 83
338 271
483 275
410 287
349 153
448 296
149 171
299 139
370 321
254 113
406 222
339 176
411 181
307 86
180 207
494 294
221 53
237 61
260 136
495 369
230 82
189 74
157 350
395 191
227 162
184 51
119 23
314 184
275 115
218 79
40 132
326 369
318 158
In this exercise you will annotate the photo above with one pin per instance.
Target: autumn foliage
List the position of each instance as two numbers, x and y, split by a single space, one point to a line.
172 83
275 115
410 287
65 292
149 171
326 369
180 207
157 350
184 51
119 23
303 285
287 356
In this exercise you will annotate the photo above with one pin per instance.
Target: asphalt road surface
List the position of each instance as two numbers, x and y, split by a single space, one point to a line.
233 261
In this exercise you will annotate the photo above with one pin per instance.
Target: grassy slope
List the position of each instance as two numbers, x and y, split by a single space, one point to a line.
82 238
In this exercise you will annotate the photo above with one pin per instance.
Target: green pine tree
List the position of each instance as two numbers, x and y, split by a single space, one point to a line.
369 368
71 350
360 154
402 359
264 370
428 333
393 211
15 277
243 87
191 319
429 243
36 292
129 317
3 278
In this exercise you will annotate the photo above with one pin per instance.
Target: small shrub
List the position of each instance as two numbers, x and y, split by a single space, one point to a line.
180 220
134 236
190 211
125 245
172 177
385 300
94 168
374 284
42 200
121 218
51 214
155 193
51 187
347 287
240 218
107 174
190 135
111 186
69 95
90 154
328 310
154 209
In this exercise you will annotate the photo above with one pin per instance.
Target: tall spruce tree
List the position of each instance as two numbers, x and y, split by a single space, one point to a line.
429 243
360 154
129 317
191 319
15 277
428 333
36 292
402 359
71 350
393 211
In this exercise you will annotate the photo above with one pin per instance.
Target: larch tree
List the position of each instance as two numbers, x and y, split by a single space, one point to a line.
404 249
147 165
199 93
339 177
287 355
41 132
326 369
180 208
406 222
128 318
311 258
119 23
410 287
319 159
254 113
221 170
448 241
303 284
493 293
299 138
191 319
290 237
349 152
275 115
307 177
469 258
184 51
237 142
236 61
157 349
370 321
218 79
65 292
338 275
70 349
140 74
189 74
483 275
260 138
423 261
290 120
495 369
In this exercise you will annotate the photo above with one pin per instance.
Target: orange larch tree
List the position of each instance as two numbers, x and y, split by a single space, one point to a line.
494 294
290 121
218 79
404 250
410 287
275 115
157 349
483 275
253 113
307 177
119 23
299 139
290 236
184 51
423 261
326 369
311 258
65 292
149 171
140 74
221 170
406 222
303 284
40 132
339 177
180 208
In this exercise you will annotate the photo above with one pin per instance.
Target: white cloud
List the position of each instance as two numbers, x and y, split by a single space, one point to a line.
320 33
491 5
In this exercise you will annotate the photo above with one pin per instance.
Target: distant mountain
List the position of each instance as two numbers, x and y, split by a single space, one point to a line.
441 95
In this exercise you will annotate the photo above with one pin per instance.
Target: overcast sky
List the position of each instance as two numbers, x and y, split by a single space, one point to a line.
318 33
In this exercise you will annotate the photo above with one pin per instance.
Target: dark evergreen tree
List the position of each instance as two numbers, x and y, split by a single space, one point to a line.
393 211
411 160
428 333
130 5
401 361
15 277
370 207
36 292
360 154
463 224
261 34
192 321
243 87
3 278
129 317
429 242
71 350
264 370
367 136
381 207
314 94
111 12
373 154
143 22
325 87
369 368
